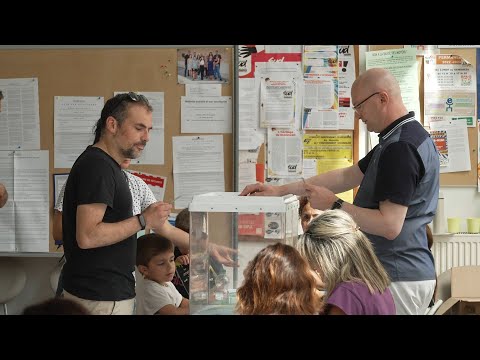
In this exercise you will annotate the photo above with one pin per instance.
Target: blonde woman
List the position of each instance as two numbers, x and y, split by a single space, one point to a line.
355 281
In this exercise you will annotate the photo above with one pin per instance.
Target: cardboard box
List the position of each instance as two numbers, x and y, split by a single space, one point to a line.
465 292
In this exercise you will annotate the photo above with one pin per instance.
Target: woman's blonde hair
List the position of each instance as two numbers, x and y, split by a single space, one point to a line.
334 245
278 281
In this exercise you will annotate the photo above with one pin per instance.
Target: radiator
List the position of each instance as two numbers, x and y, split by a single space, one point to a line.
450 250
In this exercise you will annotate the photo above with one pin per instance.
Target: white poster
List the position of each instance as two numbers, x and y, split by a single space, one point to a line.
74 118
277 103
402 63
206 115
20 117
197 167
24 220
284 153
458 147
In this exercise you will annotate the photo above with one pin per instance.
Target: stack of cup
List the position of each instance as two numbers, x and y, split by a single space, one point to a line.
453 225
473 225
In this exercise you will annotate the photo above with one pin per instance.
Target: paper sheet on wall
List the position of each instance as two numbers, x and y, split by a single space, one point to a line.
320 101
249 56
284 153
450 89
206 115
74 118
251 135
291 71
440 140
478 117
328 146
286 49
402 63
59 181
198 167
318 59
277 103
346 77
203 90
246 175
458 146
320 104
154 152
323 153
423 50
248 156
20 116
24 221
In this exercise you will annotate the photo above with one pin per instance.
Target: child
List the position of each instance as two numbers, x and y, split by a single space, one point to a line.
306 212
155 261
355 281
278 281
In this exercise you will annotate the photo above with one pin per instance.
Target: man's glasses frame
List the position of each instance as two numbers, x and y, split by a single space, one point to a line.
137 97
358 106
130 96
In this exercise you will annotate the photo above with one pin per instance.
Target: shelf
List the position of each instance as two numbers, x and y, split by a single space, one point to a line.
31 254
458 234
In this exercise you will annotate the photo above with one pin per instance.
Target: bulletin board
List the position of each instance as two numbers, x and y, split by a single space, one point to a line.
100 72
354 133
463 178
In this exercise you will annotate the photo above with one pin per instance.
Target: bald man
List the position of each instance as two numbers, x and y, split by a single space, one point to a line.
397 198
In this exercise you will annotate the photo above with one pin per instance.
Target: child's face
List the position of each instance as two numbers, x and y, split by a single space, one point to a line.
308 214
161 268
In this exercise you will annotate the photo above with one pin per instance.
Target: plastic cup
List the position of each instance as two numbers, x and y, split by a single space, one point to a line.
473 225
453 225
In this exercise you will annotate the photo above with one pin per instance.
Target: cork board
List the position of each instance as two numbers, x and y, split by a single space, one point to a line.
354 133
462 178
100 72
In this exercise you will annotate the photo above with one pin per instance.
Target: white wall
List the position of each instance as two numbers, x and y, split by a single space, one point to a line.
462 202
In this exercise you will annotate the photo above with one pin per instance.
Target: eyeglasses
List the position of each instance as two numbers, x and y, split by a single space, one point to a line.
130 96
358 106
137 97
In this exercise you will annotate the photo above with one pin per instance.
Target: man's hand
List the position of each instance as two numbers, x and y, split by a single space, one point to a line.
260 189
156 214
246 51
320 197
224 255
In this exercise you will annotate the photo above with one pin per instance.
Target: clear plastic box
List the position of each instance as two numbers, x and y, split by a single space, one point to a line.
244 223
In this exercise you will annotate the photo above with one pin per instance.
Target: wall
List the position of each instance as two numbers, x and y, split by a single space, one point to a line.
98 71
462 202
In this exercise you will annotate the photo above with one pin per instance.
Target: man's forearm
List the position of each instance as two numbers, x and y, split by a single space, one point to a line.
381 222
104 234
337 181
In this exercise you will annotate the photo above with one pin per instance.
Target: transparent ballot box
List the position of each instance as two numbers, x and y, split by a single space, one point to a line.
246 224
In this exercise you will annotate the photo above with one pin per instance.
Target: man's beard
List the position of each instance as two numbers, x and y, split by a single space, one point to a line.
130 153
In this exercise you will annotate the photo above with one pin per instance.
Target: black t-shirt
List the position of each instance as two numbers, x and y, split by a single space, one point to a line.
397 160
103 273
